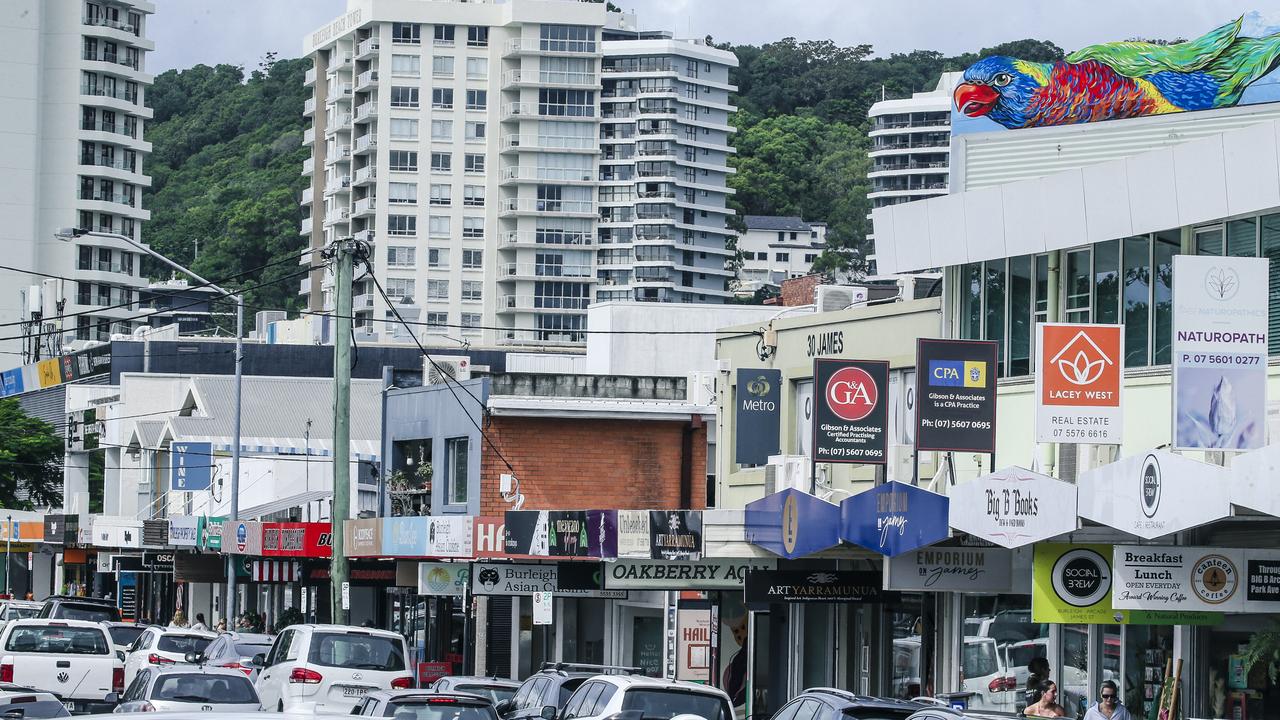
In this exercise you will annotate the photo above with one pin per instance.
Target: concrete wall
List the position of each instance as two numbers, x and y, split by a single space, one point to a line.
650 352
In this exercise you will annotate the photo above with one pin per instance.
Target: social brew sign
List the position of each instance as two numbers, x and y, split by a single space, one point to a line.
1078 373
851 418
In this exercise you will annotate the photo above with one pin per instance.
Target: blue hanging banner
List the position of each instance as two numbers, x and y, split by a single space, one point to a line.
757 415
190 466
792 524
894 518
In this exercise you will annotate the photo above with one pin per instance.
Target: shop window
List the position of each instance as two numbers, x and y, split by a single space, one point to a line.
456 456
971 301
1106 282
995 309
1073 680
1166 246
1137 300
1077 283
1020 319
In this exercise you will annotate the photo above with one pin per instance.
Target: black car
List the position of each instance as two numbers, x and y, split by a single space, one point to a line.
496 689
835 704
552 686
425 705
71 607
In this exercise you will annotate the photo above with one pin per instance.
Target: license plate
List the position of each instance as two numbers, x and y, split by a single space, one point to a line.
70 706
349 691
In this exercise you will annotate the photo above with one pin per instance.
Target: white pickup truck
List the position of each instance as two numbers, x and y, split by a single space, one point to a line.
72 659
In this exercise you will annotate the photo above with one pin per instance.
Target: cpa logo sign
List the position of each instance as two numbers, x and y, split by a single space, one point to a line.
851 394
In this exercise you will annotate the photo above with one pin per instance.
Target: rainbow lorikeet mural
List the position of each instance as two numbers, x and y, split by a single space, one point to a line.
1118 80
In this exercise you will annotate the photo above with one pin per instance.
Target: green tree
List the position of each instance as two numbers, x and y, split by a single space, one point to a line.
31 455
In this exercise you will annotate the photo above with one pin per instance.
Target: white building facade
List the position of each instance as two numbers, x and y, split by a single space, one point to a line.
74 153
775 248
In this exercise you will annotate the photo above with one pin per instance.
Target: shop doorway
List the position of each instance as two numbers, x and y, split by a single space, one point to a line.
640 638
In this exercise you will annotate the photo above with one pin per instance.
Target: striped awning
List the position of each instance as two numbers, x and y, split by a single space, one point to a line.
279 571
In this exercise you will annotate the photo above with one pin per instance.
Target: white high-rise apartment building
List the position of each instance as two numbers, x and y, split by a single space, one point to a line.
462 140
71 154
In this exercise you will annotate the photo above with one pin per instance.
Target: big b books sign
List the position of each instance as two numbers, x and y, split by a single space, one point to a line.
1078 374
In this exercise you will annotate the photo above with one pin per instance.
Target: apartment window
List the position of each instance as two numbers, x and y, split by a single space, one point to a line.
402 193
477 68
456 456
472 227
441 162
566 103
442 98
470 323
567 38
407 33
441 195
406 65
477 36
810 257
438 289
404 97
403 160
404 129
444 35
441 129
472 259
437 319
782 257
477 99
402 225
475 130
438 226
473 163
400 288
472 289
437 258
442 66
400 256
473 195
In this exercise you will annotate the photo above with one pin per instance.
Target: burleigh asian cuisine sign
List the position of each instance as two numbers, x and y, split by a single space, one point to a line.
1013 507
1219 352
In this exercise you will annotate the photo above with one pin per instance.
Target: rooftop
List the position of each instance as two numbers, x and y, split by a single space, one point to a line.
775 222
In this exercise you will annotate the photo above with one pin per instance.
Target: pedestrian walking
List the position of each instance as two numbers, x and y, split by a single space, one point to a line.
199 623
1108 706
222 625
1047 706
179 620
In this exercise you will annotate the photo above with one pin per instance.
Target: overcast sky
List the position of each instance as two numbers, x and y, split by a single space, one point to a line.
189 32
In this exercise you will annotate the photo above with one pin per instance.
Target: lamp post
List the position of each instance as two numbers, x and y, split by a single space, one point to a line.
68 234
8 548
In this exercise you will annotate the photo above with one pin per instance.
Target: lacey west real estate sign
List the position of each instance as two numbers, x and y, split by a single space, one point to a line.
1078 372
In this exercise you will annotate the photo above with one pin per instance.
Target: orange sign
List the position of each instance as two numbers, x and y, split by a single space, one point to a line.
1079 369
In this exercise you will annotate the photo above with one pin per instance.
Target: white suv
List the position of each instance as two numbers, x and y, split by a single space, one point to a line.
636 697
330 668
161 647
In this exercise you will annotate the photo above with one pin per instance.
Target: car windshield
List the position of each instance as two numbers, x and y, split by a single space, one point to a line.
567 688
183 643
196 687
980 659
34 709
358 651
442 709
125 634
58 639
666 704
13 612
251 649
495 693
86 611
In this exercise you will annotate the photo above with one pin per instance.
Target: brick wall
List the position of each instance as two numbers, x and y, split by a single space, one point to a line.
579 464
800 291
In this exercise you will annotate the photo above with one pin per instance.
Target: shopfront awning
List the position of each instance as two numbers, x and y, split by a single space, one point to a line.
285 503
1155 494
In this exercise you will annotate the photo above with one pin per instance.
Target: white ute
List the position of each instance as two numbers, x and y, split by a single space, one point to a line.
72 659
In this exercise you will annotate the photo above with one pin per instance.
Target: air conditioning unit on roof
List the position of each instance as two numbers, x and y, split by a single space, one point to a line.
442 369
832 298
786 471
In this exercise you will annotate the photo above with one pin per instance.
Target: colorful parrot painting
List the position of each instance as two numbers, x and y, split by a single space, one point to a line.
1118 80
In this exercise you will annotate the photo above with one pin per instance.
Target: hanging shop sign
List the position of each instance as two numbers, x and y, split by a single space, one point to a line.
894 518
851 411
1253 480
675 534
951 569
491 578
242 537
184 531
116 535
211 533
158 560
405 536
287 539
362 538
1149 577
1154 494
526 532
633 534
1078 373
567 533
724 574
602 533
155 533
55 529
190 466
956 395
447 579
815 586
199 567
792 524
1219 352
489 537
757 415
575 575
450 536
1014 507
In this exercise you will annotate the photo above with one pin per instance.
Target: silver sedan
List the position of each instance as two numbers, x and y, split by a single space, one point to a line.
189 688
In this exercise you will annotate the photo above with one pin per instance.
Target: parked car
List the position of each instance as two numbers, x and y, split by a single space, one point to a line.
237 650
495 689
123 635
832 704
942 712
29 704
191 688
640 697
72 607
72 659
330 668
552 686
19 609
983 662
425 705
158 646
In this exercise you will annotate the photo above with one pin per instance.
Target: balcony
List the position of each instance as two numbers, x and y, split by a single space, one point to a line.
514 271
366 236
367 48
516 78
363 301
339 91
117 93
340 122
309 78
338 184
538 46
117 198
336 216
366 175
366 79
99 21
340 153
571 176
119 128
304 286
366 144
366 111
545 143
309 107
109 162
343 62
544 238
305 228
366 207
538 303
308 195
309 166
522 206
551 111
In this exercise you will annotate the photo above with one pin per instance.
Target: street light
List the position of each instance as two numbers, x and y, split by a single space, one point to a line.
69 234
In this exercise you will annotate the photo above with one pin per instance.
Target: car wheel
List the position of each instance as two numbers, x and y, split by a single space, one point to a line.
280 706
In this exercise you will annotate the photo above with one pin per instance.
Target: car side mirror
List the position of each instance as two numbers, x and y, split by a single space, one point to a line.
120 654
260 660
549 712
112 698
504 706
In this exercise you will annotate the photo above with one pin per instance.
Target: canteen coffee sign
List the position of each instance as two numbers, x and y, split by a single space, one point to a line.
850 423
1212 579
956 395
1014 507
757 415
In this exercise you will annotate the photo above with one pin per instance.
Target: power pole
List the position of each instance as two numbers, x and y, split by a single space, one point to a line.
344 259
